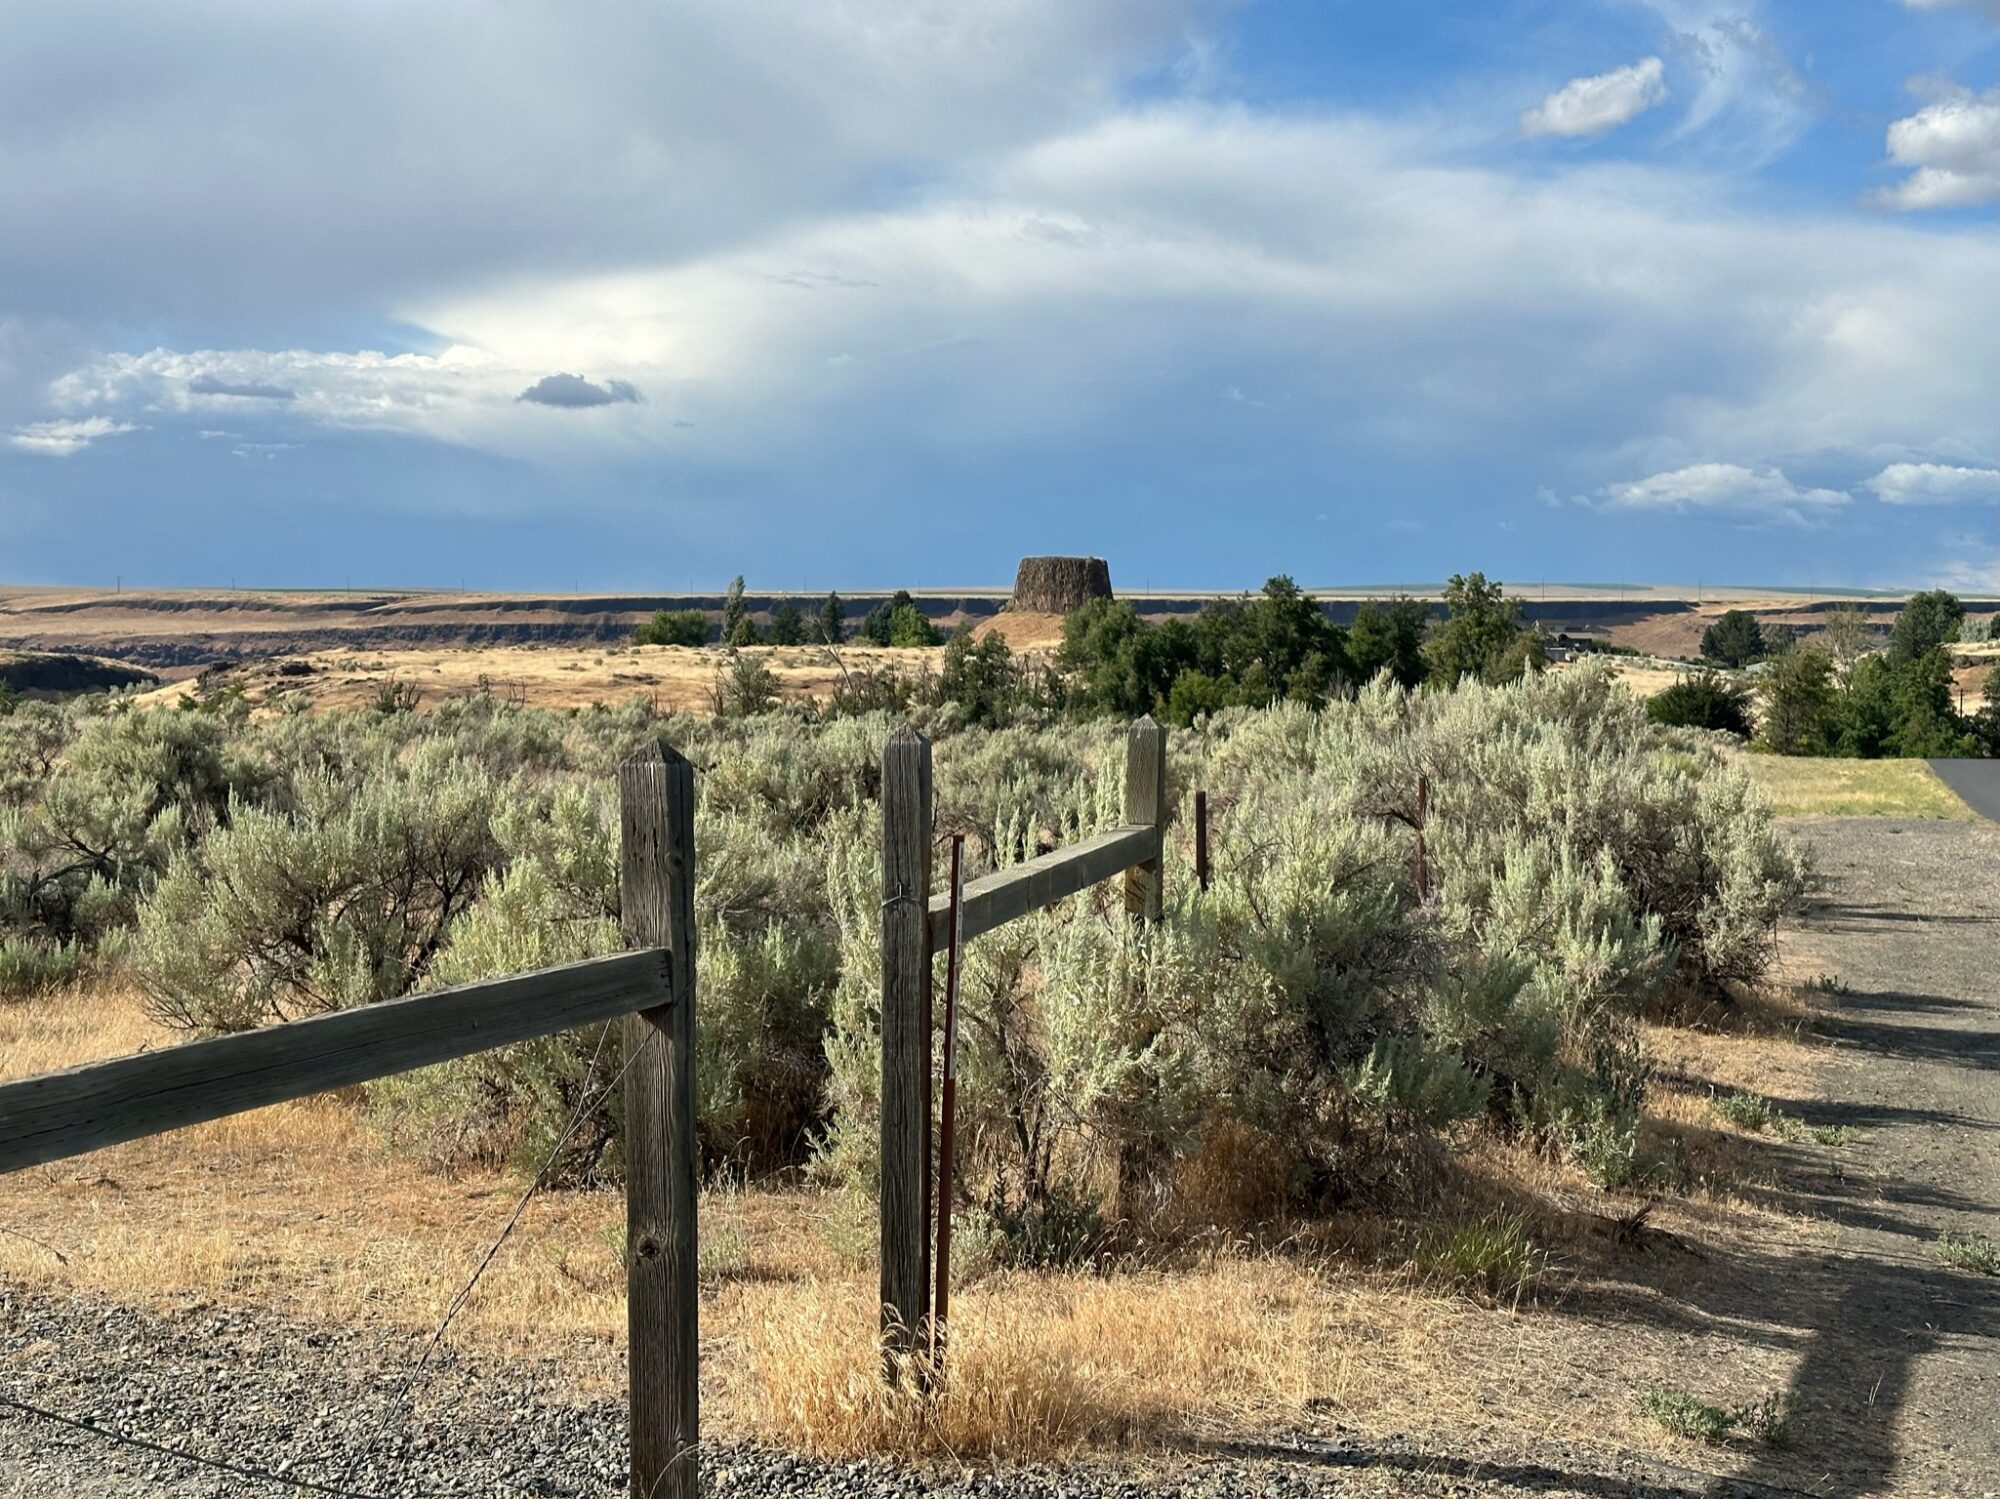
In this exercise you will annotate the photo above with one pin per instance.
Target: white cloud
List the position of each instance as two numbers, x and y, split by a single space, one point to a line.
1633 321
1935 484
1954 146
1591 106
1724 489
59 439
427 394
1991 7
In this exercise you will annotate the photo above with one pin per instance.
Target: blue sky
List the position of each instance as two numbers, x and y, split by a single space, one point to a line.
545 296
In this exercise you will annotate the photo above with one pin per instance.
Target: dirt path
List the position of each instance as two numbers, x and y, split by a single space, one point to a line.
1897 1389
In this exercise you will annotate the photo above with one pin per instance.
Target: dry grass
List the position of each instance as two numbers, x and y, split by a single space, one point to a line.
299 1207
1022 630
1646 679
1831 787
674 678
1045 1364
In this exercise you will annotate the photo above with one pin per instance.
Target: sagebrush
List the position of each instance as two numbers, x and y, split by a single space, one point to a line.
1321 1016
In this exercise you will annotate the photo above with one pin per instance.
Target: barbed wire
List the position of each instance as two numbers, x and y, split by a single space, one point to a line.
585 1103
343 1488
201 1460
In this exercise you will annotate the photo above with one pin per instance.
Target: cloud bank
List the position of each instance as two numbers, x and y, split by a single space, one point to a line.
210 385
1727 489
849 258
1935 484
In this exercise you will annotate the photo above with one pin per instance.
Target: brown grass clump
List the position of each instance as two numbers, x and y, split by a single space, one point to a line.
1044 1364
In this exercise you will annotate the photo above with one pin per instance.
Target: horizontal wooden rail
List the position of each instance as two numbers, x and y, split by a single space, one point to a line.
66 1113
1007 893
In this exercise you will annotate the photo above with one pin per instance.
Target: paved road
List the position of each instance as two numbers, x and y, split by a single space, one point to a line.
1898 1374
1977 783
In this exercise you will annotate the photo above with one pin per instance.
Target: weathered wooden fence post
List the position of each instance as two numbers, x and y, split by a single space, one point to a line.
656 895
1145 804
906 1046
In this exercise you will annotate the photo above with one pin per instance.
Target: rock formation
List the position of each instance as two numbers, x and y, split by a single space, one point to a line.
1056 585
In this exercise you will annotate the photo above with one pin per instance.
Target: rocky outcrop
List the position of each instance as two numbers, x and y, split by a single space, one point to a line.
1056 585
55 673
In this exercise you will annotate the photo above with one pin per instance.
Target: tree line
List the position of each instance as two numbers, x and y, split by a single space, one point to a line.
1277 645
895 621
1847 692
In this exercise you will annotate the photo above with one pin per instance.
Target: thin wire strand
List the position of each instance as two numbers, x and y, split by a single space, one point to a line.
181 1454
341 1490
458 1302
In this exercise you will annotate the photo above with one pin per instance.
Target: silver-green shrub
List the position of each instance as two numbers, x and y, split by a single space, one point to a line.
1428 908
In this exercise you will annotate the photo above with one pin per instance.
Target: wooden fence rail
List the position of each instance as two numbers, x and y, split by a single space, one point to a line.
914 926
62 1114
1002 896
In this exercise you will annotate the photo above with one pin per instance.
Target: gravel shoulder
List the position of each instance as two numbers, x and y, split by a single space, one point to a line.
325 1406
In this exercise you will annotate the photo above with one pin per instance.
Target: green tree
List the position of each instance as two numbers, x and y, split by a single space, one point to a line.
734 610
8 698
1736 639
1703 700
1928 620
898 621
1525 655
1101 651
1801 708
1926 724
745 632
1868 709
746 688
908 626
1194 695
1480 624
675 627
832 620
1278 644
788 626
1987 723
1389 639
980 677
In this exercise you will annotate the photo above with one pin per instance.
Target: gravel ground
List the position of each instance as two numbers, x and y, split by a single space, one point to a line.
302 1401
